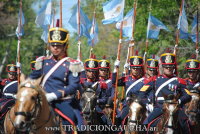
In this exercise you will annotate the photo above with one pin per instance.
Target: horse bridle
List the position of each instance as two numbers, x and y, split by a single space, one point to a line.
31 116
88 102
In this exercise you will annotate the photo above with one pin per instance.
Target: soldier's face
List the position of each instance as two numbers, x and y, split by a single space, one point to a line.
192 74
57 50
103 72
90 74
12 76
168 70
151 72
136 71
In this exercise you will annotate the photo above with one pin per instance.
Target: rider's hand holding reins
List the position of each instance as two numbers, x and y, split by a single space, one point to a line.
51 96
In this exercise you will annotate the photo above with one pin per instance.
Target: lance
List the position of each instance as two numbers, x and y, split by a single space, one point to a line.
147 41
18 44
117 73
93 28
60 13
178 31
79 40
197 34
132 42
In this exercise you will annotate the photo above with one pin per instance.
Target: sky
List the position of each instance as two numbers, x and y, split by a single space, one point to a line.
66 13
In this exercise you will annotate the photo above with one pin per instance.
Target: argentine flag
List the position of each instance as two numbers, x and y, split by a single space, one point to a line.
127 24
21 22
154 26
85 23
193 34
93 33
44 16
183 24
113 11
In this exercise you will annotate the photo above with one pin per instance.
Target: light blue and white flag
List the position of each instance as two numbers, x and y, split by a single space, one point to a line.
113 11
193 34
85 23
93 33
21 22
44 16
127 24
154 26
183 23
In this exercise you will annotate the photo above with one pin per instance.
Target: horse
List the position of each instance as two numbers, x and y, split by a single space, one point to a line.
168 123
137 114
31 112
88 102
192 111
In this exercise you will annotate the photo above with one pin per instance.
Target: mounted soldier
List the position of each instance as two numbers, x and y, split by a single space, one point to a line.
132 82
61 77
89 77
166 84
104 92
9 90
192 67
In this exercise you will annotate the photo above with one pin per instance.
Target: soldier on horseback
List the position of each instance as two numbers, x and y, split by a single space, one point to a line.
192 66
166 84
104 92
61 77
9 90
133 83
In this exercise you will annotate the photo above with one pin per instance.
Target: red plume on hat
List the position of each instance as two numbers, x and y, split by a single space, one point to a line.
136 53
57 22
193 56
104 57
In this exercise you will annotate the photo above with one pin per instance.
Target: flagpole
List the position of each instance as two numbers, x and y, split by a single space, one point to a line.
197 34
79 40
18 44
60 13
94 23
147 40
178 31
132 42
117 73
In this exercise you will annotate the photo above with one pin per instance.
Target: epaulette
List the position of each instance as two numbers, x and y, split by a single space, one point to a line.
38 63
147 80
182 81
3 82
75 66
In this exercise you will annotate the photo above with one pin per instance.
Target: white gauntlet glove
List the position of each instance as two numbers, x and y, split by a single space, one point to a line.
149 107
117 63
51 96
126 66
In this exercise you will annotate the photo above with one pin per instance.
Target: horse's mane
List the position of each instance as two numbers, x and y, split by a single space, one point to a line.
32 82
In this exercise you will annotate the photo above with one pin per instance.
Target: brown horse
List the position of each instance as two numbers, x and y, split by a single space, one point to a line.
192 111
169 120
31 113
137 114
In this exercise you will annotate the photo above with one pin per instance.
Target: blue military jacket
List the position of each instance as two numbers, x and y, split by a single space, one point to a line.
9 87
175 86
63 81
105 90
192 84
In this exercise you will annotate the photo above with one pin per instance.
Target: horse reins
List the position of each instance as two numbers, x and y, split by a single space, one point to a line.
36 111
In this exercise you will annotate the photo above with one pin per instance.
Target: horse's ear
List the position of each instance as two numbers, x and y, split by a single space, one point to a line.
39 80
22 77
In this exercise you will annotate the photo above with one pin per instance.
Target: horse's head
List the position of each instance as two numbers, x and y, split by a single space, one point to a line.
137 110
88 101
192 108
170 107
28 103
